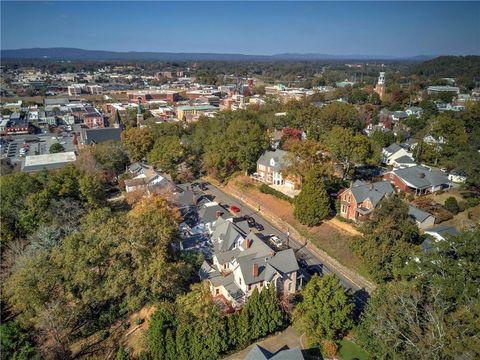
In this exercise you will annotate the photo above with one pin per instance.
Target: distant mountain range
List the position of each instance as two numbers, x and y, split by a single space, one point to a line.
81 54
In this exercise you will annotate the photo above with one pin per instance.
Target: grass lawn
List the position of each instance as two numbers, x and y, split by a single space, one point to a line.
350 351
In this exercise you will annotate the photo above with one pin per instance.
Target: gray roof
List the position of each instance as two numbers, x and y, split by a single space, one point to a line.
278 156
421 177
405 159
225 234
207 213
100 135
393 148
375 191
417 214
444 230
259 353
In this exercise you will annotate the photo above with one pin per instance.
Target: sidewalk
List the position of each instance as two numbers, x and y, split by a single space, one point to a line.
278 216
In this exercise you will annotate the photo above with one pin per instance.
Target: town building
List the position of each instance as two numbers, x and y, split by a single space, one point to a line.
34 163
380 87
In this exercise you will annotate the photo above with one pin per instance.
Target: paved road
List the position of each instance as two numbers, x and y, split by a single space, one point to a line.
302 252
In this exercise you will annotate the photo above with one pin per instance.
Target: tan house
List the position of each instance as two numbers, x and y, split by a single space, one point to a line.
243 262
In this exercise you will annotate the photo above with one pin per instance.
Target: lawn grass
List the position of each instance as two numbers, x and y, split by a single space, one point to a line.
350 351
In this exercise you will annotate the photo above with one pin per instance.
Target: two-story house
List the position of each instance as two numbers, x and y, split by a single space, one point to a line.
358 202
242 262
270 168
394 152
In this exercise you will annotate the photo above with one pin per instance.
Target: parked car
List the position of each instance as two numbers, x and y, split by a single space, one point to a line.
315 269
234 209
250 221
276 240
259 227
303 263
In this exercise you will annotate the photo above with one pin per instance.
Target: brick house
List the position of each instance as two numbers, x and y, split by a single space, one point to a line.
417 180
358 202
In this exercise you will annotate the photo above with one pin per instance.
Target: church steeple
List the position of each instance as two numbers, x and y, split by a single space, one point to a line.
139 112
118 121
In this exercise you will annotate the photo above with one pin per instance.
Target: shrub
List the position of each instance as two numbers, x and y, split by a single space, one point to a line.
451 205
268 190
462 206
329 348
139 321
472 202
443 215
104 334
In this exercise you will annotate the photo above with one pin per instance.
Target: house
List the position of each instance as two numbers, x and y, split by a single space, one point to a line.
432 140
150 182
33 163
457 176
438 233
242 262
442 232
418 180
399 115
423 219
260 353
270 166
393 152
358 202
209 213
403 162
414 111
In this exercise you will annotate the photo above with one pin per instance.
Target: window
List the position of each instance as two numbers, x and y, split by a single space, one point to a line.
290 287
261 284
240 281
249 287
217 291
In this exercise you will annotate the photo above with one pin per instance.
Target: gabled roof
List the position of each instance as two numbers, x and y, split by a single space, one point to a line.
278 156
375 192
417 214
90 136
258 353
405 159
393 148
443 230
208 213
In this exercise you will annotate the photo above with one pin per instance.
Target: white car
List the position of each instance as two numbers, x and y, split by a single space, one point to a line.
276 240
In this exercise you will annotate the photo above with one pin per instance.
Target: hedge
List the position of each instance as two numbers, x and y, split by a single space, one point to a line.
268 190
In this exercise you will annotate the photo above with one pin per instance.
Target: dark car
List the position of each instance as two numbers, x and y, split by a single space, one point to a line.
259 227
250 221
302 263
315 269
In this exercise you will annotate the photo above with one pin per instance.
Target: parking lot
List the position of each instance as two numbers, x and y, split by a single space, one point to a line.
38 144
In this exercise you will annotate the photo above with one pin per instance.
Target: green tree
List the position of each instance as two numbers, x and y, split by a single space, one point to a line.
122 354
335 114
16 343
326 310
92 191
348 148
111 156
312 205
243 326
170 347
389 240
451 205
56 148
167 153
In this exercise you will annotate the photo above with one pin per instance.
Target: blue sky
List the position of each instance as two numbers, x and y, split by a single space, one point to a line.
340 28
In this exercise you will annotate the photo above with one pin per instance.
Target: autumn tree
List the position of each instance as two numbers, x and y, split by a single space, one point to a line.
167 153
138 142
302 156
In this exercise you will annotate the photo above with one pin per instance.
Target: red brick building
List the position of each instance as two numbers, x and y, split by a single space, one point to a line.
93 120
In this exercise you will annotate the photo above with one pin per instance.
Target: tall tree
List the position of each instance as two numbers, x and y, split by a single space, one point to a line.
312 205
138 142
167 153
326 310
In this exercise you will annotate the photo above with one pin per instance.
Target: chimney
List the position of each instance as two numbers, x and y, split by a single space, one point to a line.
371 186
255 270
217 214
421 175
247 244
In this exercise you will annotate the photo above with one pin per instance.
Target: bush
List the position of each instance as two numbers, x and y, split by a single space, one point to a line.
268 190
451 205
104 334
472 202
443 215
139 321
329 348
462 206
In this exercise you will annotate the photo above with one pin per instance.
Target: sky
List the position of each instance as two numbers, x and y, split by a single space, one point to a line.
261 28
